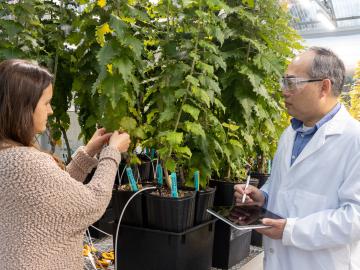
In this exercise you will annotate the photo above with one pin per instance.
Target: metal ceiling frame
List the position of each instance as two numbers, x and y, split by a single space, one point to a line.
326 6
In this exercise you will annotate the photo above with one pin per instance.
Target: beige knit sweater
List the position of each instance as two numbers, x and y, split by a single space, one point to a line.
44 211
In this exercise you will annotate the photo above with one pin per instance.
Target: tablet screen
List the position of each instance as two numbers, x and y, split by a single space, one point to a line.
246 215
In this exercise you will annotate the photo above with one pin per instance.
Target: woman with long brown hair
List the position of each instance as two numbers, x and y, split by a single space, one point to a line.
45 210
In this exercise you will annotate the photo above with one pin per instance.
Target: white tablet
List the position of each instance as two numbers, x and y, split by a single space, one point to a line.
243 217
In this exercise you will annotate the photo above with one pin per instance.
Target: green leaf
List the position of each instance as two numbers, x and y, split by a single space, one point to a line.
174 138
128 123
231 127
195 129
167 115
207 82
192 80
248 138
201 95
105 54
134 44
219 34
170 165
112 86
119 26
219 104
139 133
183 150
205 67
124 66
235 143
194 112
151 115
12 28
180 93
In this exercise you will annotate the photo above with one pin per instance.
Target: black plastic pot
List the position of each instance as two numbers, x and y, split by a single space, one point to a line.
263 177
140 248
170 214
105 223
230 245
134 214
204 200
257 238
224 195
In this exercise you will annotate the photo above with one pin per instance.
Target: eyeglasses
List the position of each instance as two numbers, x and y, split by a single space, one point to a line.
293 83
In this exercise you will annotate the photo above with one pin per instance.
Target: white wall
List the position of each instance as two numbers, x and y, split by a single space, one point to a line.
346 47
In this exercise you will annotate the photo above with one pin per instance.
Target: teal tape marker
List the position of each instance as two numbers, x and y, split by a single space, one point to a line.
174 192
159 174
196 180
131 178
152 153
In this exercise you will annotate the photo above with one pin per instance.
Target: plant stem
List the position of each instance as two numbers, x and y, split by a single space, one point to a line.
68 149
187 88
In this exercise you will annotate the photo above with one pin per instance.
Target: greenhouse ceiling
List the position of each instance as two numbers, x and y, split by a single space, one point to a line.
322 18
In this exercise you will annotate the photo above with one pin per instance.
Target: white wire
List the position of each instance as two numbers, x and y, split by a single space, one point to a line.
87 232
121 175
92 246
100 230
122 213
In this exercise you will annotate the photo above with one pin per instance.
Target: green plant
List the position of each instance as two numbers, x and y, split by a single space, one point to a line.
355 94
37 30
181 75
256 49
197 80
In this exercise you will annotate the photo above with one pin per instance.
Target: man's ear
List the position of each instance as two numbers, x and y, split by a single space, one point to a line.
326 87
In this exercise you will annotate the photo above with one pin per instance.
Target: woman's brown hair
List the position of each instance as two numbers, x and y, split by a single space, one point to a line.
21 86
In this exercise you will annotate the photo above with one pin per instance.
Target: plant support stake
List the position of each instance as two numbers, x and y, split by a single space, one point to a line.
174 192
132 181
196 180
159 174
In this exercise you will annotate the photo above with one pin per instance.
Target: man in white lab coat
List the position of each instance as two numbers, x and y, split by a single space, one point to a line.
315 180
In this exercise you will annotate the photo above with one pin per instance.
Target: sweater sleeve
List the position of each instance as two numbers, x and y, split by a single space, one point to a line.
54 193
81 164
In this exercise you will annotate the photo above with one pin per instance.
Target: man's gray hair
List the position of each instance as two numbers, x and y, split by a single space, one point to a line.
327 65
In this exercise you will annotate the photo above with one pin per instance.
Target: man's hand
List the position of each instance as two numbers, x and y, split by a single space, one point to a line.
276 230
253 195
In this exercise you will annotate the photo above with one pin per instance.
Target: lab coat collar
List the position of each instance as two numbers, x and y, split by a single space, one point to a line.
335 126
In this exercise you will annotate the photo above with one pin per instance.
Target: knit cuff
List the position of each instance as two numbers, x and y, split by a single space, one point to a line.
83 160
288 230
110 152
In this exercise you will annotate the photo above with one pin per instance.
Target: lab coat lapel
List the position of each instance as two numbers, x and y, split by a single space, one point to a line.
288 146
316 142
333 127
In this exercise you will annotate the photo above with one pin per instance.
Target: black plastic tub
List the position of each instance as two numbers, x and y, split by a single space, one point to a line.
263 177
230 245
224 195
141 248
204 200
170 214
134 214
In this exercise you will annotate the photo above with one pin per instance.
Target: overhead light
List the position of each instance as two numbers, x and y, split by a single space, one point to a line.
325 20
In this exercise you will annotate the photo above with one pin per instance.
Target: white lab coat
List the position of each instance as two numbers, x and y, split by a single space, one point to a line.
320 197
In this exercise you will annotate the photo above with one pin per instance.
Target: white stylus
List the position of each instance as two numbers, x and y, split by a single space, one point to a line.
246 186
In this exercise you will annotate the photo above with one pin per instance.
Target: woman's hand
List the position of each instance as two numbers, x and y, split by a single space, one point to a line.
253 195
97 141
120 141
